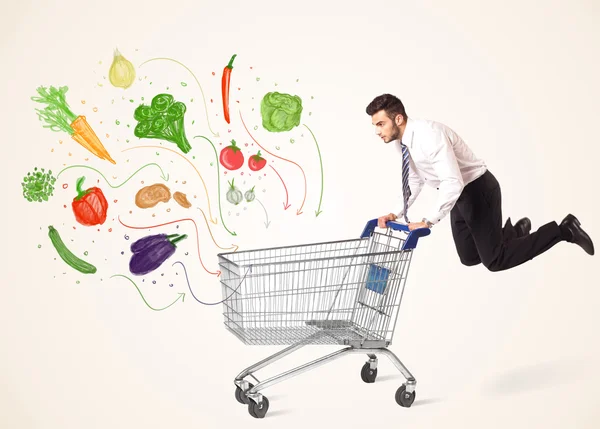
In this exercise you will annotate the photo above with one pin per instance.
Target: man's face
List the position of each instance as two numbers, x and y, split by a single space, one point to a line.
385 128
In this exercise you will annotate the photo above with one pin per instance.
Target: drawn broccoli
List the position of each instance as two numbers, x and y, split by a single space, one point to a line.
163 119
38 186
280 112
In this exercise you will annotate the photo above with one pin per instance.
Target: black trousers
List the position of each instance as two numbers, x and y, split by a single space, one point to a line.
476 221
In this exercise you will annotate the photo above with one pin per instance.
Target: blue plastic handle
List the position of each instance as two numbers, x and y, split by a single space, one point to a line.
411 240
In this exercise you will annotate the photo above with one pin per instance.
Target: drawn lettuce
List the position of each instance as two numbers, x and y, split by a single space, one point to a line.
280 112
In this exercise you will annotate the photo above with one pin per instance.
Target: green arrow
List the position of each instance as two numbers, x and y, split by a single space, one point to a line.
181 295
318 211
162 173
218 184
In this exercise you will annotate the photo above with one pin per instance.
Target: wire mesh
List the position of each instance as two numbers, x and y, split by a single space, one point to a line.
321 293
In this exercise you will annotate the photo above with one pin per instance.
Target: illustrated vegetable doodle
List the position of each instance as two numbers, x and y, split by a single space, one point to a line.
59 117
256 162
182 200
225 83
250 195
121 73
149 196
67 256
151 251
231 157
38 186
163 119
89 206
280 112
234 195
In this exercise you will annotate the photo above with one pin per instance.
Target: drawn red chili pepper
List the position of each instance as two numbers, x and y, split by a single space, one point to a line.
89 206
225 87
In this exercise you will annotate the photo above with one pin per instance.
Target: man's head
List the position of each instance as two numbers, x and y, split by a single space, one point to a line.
388 115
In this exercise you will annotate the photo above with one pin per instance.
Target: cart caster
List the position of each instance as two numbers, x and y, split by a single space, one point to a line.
240 395
258 410
403 398
367 374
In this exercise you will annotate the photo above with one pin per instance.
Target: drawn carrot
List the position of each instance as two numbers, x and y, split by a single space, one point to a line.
225 81
59 117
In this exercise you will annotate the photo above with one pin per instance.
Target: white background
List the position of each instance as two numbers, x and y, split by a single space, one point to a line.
518 81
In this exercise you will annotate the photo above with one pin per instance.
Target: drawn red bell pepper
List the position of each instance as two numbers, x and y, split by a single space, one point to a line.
225 83
90 205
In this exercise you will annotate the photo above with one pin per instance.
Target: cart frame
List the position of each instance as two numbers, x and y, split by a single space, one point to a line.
341 292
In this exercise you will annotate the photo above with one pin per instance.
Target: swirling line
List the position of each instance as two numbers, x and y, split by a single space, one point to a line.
208 303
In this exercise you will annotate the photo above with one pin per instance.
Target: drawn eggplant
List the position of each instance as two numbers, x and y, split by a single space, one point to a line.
151 251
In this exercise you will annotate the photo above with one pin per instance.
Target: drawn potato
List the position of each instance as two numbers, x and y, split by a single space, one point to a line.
150 196
182 200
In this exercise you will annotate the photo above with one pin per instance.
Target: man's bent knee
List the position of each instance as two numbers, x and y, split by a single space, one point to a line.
493 266
470 263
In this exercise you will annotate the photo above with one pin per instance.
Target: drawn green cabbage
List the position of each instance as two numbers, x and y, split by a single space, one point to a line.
280 112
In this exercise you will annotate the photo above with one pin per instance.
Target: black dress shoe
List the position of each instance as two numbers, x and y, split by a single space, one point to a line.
523 226
571 228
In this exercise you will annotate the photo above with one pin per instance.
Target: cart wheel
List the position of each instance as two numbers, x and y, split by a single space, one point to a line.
403 398
240 395
367 374
258 410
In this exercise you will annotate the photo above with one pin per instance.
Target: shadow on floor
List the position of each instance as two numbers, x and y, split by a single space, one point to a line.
427 401
388 377
536 376
278 413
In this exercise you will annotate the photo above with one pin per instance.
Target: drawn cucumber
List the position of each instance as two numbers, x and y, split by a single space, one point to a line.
68 256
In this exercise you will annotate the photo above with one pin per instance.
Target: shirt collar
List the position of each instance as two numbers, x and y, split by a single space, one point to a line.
407 137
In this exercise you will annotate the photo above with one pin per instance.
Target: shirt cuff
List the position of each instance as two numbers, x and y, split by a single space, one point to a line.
435 218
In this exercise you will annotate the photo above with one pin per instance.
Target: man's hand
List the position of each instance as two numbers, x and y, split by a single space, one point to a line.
417 225
381 222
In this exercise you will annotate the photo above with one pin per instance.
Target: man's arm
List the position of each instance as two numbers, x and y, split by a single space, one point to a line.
446 167
415 182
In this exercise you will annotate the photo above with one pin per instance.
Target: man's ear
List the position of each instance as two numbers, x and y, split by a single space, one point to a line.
399 119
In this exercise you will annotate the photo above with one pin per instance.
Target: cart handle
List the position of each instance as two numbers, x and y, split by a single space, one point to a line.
411 240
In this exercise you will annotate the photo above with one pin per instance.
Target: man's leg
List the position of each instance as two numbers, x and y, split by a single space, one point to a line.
509 232
482 212
521 228
465 245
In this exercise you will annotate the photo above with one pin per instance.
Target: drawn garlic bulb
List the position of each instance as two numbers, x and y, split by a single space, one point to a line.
234 195
250 195
121 73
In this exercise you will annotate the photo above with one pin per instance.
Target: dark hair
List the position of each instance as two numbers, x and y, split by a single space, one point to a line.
388 102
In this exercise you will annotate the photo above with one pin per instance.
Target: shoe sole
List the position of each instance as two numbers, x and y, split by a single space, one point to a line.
576 222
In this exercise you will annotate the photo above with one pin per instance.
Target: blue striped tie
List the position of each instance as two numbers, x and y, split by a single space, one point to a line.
405 171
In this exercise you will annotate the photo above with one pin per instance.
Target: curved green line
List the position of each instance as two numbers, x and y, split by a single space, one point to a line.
195 78
140 292
218 184
318 211
162 173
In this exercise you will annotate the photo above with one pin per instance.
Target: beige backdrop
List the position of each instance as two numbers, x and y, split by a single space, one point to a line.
518 81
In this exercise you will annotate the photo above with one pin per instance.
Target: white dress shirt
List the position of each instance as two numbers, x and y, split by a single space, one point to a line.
440 158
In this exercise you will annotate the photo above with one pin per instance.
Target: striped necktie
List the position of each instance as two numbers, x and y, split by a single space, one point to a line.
405 171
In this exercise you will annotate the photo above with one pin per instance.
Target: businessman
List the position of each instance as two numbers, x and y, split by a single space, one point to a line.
434 154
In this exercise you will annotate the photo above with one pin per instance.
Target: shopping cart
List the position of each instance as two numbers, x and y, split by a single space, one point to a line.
341 292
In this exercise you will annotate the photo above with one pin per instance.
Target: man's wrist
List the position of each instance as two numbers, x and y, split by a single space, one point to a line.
429 224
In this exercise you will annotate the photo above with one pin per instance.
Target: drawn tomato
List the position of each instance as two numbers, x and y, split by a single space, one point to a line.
256 162
231 157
